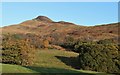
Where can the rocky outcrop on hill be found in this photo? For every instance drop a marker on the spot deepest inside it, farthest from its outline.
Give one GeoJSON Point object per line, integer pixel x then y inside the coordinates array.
{"type": "Point", "coordinates": [43, 18]}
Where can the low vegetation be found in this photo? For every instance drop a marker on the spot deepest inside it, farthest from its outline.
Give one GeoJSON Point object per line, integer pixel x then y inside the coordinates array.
{"type": "Point", "coordinates": [101, 56]}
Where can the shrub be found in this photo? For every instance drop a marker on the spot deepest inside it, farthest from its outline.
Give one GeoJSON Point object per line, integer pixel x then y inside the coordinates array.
{"type": "Point", "coordinates": [99, 57]}
{"type": "Point", "coordinates": [106, 41]}
{"type": "Point", "coordinates": [69, 43]}
{"type": "Point", "coordinates": [46, 43]}
{"type": "Point", "coordinates": [17, 52]}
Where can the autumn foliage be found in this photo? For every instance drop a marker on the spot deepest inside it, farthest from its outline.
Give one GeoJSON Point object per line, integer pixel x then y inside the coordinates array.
{"type": "Point", "coordinates": [16, 51]}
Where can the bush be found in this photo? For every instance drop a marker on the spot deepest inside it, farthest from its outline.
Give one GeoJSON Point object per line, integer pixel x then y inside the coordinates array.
{"type": "Point", "coordinates": [106, 41]}
{"type": "Point", "coordinates": [69, 43]}
{"type": "Point", "coordinates": [17, 52]}
{"type": "Point", "coordinates": [99, 57]}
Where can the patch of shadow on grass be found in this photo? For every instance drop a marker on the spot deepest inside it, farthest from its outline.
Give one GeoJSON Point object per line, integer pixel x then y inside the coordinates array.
{"type": "Point", "coordinates": [55, 71]}
{"type": "Point", "coordinates": [70, 61]}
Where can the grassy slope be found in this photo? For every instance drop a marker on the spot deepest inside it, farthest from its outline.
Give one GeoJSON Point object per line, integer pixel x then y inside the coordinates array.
{"type": "Point", "coordinates": [7, 68]}
{"type": "Point", "coordinates": [49, 61]}
{"type": "Point", "coordinates": [53, 58]}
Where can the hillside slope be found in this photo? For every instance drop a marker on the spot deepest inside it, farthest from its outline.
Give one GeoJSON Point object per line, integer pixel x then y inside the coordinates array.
{"type": "Point", "coordinates": [45, 27]}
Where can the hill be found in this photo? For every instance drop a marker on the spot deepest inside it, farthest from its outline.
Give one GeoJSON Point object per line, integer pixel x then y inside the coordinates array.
{"type": "Point", "coordinates": [45, 27]}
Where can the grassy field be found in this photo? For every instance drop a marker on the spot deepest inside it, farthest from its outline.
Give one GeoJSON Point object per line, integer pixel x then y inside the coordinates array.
{"type": "Point", "coordinates": [50, 61]}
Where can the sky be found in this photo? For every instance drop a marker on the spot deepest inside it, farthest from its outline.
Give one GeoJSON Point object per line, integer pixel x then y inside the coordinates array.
{"type": "Point", "coordinates": [60, 0]}
{"type": "Point", "coordinates": [81, 13]}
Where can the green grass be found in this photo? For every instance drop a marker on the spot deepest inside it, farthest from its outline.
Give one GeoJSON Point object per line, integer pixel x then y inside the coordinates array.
{"type": "Point", "coordinates": [49, 61]}
{"type": "Point", "coordinates": [8, 68]}
{"type": "Point", "coordinates": [52, 58]}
